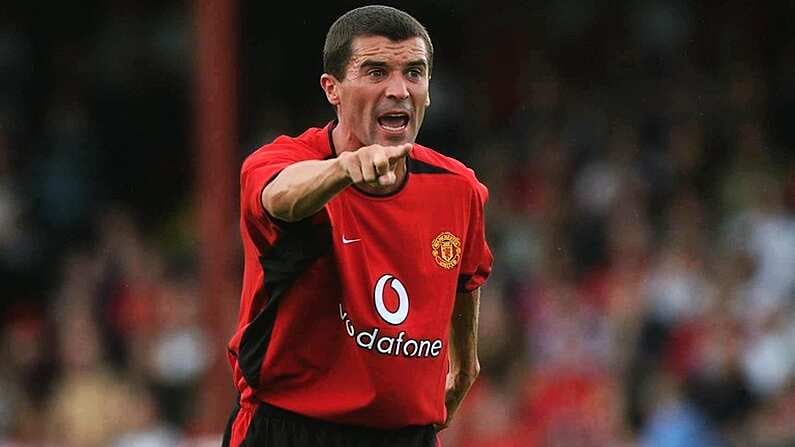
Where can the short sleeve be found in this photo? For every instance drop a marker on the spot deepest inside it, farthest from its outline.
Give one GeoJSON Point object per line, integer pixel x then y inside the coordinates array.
{"type": "Point", "coordinates": [259, 169]}
{"type": "Point", "coordinates": [476, 257]}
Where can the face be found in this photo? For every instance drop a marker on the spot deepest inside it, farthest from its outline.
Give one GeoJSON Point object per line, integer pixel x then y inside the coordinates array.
{"type": "Point", "coordinates": [383, 97]}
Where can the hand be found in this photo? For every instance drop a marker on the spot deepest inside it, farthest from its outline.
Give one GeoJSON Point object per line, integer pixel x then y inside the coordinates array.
{"type": "Point", "coordinates": [374, 165]}
{"type": "Point", "coordinates": [458, 385]}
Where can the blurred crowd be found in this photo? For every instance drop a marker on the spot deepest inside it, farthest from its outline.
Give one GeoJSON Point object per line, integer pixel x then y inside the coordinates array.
{"type": "Point", "coordinates": [641, 165]}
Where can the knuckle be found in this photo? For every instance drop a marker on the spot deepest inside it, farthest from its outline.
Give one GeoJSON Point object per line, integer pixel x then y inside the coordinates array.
{"type": "Point", "coordinates": [364, 155]}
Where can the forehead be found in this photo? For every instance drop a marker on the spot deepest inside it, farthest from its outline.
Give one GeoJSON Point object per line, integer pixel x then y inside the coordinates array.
{"type": "Point", "coordinates": [382, 49]}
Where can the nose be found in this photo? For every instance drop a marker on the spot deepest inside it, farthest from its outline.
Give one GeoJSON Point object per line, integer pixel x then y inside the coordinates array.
{"type": "Point", "coordinates": [397, 88]}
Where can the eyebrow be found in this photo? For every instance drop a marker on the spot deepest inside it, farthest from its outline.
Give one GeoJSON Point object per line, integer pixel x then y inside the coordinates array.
{"type": "Point", "coordinates": [372, 63]}
{"type": "Point", "coordinates": [418, 63]}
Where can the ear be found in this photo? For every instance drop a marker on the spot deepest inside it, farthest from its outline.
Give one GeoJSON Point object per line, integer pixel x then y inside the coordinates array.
{"type": "Point", "coordinates": [330, 87]}
{"type": "Point", "coordinates": [428, 99]}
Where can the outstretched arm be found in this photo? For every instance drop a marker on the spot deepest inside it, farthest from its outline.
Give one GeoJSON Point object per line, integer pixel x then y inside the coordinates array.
{"type": "Point", "coordinates": [303, 188]}
{"type": "Point", "coordinates": [463, 350]}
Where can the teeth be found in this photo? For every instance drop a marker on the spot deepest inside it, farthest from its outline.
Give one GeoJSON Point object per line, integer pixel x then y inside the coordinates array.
{"type": "Point", "coordinates": [393, 121]}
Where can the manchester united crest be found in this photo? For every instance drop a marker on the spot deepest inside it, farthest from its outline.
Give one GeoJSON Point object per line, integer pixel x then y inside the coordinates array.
{"type": "Point", "coordinates": [446, 249]}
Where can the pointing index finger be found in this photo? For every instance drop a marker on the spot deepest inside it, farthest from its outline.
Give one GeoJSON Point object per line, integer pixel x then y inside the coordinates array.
{"type": "Point", "coordinates": [396, 152]}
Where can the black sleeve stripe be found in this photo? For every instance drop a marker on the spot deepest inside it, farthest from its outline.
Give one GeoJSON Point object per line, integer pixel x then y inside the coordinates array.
{"type": "Point", "coordinates": [300, 244]}
{"type": "Point", "coordinates": [421, 167]}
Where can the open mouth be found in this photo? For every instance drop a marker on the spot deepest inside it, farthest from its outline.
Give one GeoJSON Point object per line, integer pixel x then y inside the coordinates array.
{"type": "Point", "coordinates": [394, 121]}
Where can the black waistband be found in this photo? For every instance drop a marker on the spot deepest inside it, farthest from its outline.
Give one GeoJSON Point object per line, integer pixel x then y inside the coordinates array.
{"type": "Point", "coordinates": [268, 411]}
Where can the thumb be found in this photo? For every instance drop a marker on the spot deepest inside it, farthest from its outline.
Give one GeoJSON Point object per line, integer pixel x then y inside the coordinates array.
{"type": "Point", "coordinates": [387, 179]}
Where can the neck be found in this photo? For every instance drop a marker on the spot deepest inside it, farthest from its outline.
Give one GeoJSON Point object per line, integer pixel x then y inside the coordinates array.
{"type": "Point", "coordinates": [344, 140]}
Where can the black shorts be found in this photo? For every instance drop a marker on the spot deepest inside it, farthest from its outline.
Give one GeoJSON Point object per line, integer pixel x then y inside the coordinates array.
{"type": "Point", "coordinates": [269, 426]}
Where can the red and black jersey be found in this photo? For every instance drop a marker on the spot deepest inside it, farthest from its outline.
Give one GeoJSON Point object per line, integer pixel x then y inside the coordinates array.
{"type": "Point", "coordinates": [345, 316]}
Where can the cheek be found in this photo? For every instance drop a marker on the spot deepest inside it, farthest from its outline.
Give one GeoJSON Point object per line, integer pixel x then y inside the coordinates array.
{"type": "Point", "coordinates": [420, 99]}
{"type": "Point", "coordinates": [358, 104]}
{"type": "Point", "coordinates": [419, 90]}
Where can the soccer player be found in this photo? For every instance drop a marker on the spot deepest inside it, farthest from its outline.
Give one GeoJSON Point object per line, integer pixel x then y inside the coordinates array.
{"type": "Point", "coordinates": [364, 254]}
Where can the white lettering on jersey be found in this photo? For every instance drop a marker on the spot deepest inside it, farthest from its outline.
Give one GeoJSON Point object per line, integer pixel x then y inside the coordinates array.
{"type": "Point", "coordinates": [399, 316]}
{"type": "Point", "coordinates": [401, 345]}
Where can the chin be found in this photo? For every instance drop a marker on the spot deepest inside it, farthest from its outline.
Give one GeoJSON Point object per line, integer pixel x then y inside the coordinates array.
{"type": "Point", "coordinates": [395, 138]}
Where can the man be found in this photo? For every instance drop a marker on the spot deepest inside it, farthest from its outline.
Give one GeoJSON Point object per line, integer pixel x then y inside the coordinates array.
{"type": "Point", "coordinates": [364, 254]}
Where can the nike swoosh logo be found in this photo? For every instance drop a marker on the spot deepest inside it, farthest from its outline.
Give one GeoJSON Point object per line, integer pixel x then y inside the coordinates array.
{"type": "Point", "coordinates": [349, 241]}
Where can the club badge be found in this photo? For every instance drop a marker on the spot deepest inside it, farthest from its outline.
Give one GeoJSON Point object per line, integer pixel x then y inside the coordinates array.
{"type": "Point", "coordinates": [446, 249]}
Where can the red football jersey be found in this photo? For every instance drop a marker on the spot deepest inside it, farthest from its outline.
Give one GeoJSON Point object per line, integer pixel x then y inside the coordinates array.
{"type": "Point", "coordinates": [345, 316]}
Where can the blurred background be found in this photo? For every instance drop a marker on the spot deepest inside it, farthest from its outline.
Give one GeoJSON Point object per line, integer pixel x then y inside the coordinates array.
{"type": "Point", "coordinates": [641, 162]}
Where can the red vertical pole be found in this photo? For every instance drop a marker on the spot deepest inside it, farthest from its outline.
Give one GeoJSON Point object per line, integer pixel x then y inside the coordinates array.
{"type": "Point", "coordinates": [216, 136]}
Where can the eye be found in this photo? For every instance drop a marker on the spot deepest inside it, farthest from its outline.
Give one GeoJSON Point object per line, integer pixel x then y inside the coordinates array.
{"type": "Point", "coordinates": [376, 73]}
{"type": "Point", "coordinates": [414, 73]}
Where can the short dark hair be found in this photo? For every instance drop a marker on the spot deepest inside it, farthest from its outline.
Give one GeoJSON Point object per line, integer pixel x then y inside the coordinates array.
{"type": "Point", "coordinates": [373, 20]}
